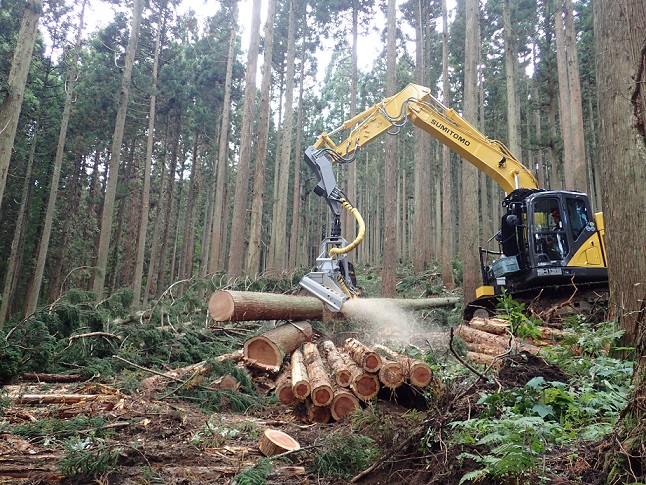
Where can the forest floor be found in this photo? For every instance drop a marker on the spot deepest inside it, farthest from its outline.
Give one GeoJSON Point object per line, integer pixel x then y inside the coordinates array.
{"type": "Point", "coordinates": [135, 426]}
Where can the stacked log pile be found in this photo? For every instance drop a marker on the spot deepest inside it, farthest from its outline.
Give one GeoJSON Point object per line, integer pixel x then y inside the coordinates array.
{"type": "Point", "coordinates": [330, 381]}
{"type": "Point", "coordinates": [487, 338]}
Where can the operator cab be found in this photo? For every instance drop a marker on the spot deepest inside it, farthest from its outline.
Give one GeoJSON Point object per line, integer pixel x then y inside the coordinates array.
{"type": "Point", "coordinates": [546, 238]}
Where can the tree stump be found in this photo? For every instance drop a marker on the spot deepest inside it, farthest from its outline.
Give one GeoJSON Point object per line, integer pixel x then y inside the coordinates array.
{"type": "Point", "coordinates": [274, 442]}
{"type": "Point", "coordinates": [301, 387]}
{"type": "Point", "coordinates": [267, 351]}
{"type": "Point", "coordinates": [363, 355]}
{"type": "Point", "coordinates": [321, 393]}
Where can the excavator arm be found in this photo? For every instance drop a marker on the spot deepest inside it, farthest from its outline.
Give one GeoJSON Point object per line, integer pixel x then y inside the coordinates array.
{"type": "Point", "coordinates": [332, 282]}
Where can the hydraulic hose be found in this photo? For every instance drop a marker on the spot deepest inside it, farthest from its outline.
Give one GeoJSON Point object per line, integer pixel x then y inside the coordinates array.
{"type": "Point", "coordinates": [360, 235]}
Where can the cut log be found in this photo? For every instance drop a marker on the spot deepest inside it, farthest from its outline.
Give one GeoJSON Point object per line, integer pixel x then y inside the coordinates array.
{"type": "Point", "coordinates": [36, 399]}
{"type": "Point", "coordinates": [480, 358]}
{"type": "Point", "coordinates": [363, 355]}
{"type": "Point", "coordinates": [269, 349]}
{"type": "Point", "coordinates": [497, 326]}
{"type": "Point", "coordinates": [322, 392]}
{"type": "Point", "coordinates": [363, 384]}
{"type": "Point", "coordinates": [484, 349]}
{"type": "Point", "coordinates": [344, 403]}
{"type": "Point", "coordinates": [32, 376]}
{"type": "Point", "coordinates": [391, 374]}
{"type": "Point", "coordinates": [283, 389]}
{"type": "Point", "coordinates": [225, 382]}
{"type": "Point", "coordinates": [473, 335]}
{"type": "Point", "coordinates": [500, 342]}
{"type": "Point", "coordinates": [301, 387]}
{"type": "Point", "coordinates": [237, 306]}
{"type": "Point", "coordinates": [416, 372]}
{"type": "Point", "coordinates": [340, 372]}
{"type": "Point", "coordinates": [317, 414]}
{"type": "Point", "coordinates": [274, 442]}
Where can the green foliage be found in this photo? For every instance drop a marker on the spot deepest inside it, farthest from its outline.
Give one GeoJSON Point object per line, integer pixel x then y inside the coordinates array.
{"type": "Point", "coordinates": [88, 457]}
{"type": "Point", "coordinates": [256, 474]}
{"type": "Point", "coordinates": [521, 326]}
{"type": "Point", "coordinates": [215, 432]}
{"type": "Point", "coordinates": [342, 454]}
{"type": "Point", "coordinates": [51, 427]}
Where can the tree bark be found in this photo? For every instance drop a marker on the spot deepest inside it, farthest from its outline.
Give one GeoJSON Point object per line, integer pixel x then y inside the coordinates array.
{"type": "Point", "coordinates": [513, 111]}
{"type": "Point", "coordinates": [448, 251]}
{"type": "Point", "coordinates": [469, 215]}
{"type": "Point", "coordinates": [115, 154]}
{"type": "Point", "coordinates": [16, 82]}
{"type": "Point", "coordinates": [238, 224]}
{"type": "Point", "coordinates": [388, 275]}
{"type": "Point", "coordinates": [236, 306]}
{"type": "Point", "coordinates": [257, 202]}
{"type": "Point", "coordinates": [145, 195]}
{"type": "Point", "coordinates": [278, 247]}
{"type": "Point", "coordinates": [218, 240]}
{"type": "Point", "coordinates": [268, 350]}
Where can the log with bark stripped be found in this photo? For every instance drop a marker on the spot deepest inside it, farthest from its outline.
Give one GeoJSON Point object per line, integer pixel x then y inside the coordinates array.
{"type": "Point", "coordinates": [363, 355]}
{"type": "Point", "coordinates": [499, 326]}
{"type": "Point", "coordinates": [268, 350]}
{"type": "Point", "coordinates": [363, 384]}
{"type": "Point", "coordinates": [344, 403]}
{"type": "Point", "coordinates": [321, 393]}
{"type": "Point", "coordinates": [498, 343]}
{"type": "Point", "coordinates": [274, 442]}
{"type": "Point", "coordinates": [283, 389]}
{"type": "Point", "coordinates": [340, 372]}
{"type": "Point", "coordinates": [237, 306]}
{"type": "Point", "coordinates": [301, 387]}
{"type": "Point", "coordinates": [416, 372]}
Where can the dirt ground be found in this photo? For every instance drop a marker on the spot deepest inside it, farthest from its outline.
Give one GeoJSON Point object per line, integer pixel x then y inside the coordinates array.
{"type": "Point", "coordinates": [166, 441]}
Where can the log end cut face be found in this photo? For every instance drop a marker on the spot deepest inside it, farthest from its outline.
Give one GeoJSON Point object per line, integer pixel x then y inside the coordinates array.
{"type": "Point", "coordinates": [366, 387]}
{"type": "Point", "coordinates": [221, 306]}
{"type": "Point", "coordinates": [421, 376]}
{"type": "Point", "coordinates": [372, 362]}
{"type": "Point", "coordinates": [263, 351]}
{"type": "Point", "coordinates": [286, 396]}
{"type": "Point", "coordinates": [344, 405]}
{"type": "Point", "coordinates": [322, 396]}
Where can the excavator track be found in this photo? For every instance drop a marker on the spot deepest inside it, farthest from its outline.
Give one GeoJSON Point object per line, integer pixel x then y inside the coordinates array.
{"type": "Point", "coordinates": [552, 304]}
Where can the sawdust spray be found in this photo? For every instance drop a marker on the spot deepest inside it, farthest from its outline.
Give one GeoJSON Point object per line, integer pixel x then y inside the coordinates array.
{"type": "Point", "coordinates": [383, 322]}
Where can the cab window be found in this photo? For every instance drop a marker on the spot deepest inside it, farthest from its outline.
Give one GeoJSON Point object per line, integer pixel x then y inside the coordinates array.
{"type": "Point", "coordinates": [578, 214]}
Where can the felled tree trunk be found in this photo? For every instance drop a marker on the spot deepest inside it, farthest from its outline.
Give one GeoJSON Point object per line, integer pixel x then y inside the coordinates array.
{"type": "Point", "coordinates": [498, 343]}
{"type": "Point", "coordinates": [301, 387]}
{"type": "Point", "coordinates": [340, 372]}
{"type": "Point", "coordinates": [362, 355]}
{"type": "Point", "coordinates": [391, 373]}
{"type": "Point", "coordinates": [237, 306]}
{"type": "Point", "coordinates": [267, 351]}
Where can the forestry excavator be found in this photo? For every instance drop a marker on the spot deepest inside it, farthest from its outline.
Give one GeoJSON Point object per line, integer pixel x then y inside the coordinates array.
{"type": "Point", "coordinates": [550, 243]}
